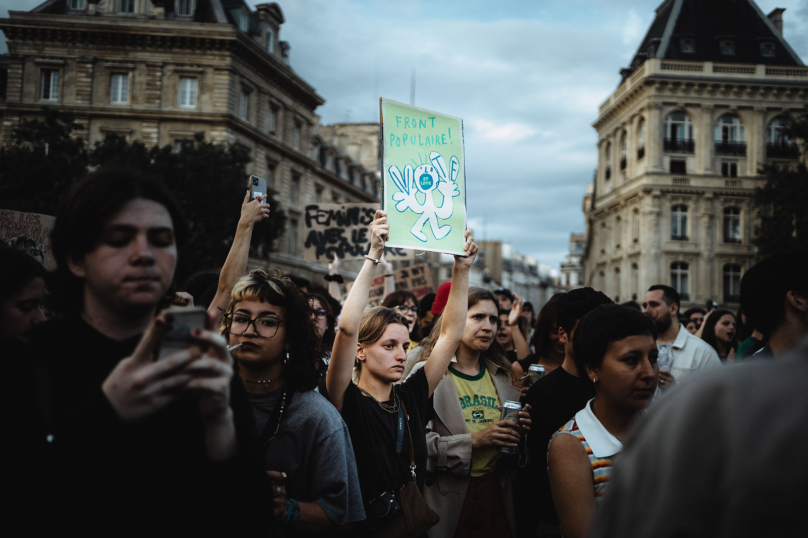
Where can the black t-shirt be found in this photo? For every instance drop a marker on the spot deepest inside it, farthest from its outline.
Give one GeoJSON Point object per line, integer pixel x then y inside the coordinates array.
{"type": "Point", "coordinates": [554, 400]}
{"type": "Point", "coordinates": [511, 355]}
{"type": "Point", "coordinates": [527, 361]}
{"type": "Point", "coordinates": [373, 434]}
{"type": "Point", "coordinates": [138, 468]}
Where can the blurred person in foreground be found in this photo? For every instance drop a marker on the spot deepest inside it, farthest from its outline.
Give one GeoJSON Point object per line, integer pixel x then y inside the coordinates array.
{"type": "Point", "coordinates": [721, 457]}
{"type": "Point", "coordinates": [774, 296]}
{"type": "Point", "coordinates": [22, 292]}
{"type": "Point", "coordinates": [680, 353]}
{"type": "Point", "coordinates": [616, 347]}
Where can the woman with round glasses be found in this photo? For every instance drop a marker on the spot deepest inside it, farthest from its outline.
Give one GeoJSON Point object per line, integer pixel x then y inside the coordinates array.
{"type": "Point", "coordinates": [324, 325]}
{"type": "Point", "coordinates": [301, 434]}
{"type": "Point", "coordinates": [405, 303]}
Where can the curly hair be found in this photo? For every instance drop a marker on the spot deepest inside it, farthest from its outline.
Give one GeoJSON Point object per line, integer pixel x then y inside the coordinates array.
{"type": "Point", "coordinates": [302, 371]}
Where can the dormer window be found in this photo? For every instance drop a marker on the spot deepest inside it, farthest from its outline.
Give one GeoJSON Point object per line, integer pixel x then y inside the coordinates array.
{"type": "Point", "coordinates": [727, 47]}
{"type": "Point", "coordinates": [242, 19]}
{"type": "Point", "coordinates": [185, 8]}
{"type": "Point", "coordinates": [767, 49]}
{"type": "Point", "coordinates": [126, 6]}
{"type": "Point", "coordinates": [687, 45]}
{"type": "Point", "coordinates": [270, 41]}
{"type": "Point", "coordinates": [77, 5]}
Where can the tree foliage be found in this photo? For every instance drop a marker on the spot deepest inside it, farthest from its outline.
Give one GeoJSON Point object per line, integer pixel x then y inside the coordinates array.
{"type": "Point", "coordinates": [782, 201]}
{"type": "Point", "coordinates": [207, 179]}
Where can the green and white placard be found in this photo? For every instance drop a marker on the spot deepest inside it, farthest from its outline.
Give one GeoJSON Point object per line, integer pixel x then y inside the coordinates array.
{"type": "Point", "coordinates": [424, 178]}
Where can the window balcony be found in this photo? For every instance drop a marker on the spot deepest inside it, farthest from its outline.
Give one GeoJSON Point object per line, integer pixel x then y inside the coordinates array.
{"type": "Point", "coordinates": [726, 147]}
{"type": "Point", "coordinates": [678, 238]}
{"type": "Point", "coordinates": [678, 145]}
{"type": "Point", "coordinates": [783, 151]}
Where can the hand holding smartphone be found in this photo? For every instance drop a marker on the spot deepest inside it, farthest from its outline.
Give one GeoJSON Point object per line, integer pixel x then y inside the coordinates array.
{"type": "Point", "coordinates": [179, 322]}
{"type": "Point", "coordinates": [258, 188]}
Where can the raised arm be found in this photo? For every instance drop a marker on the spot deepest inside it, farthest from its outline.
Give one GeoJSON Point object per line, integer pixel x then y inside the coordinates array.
{"type": "Point", "coordinates": [344, 352]}
{"type": "Point", "coordinates": [235, 266]}
{"type": "Point", "coordinates": [389, 277]}
{"type": "Point", "coordinates": [519, 342]}
{"type": "Point", "coordinates": [454, 316]}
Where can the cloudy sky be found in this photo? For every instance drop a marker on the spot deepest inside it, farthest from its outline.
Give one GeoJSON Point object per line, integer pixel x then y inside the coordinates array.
{"type": "Point", "coordinates": [526, 76]}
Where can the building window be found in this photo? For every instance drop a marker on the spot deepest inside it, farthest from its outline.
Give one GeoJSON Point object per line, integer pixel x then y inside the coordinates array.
{"type": "Point", "coordinates": [778, 143]}
{"type": "Point", "coordinates": [729, 168]}
{"type": "Point", "coordinates": [243, 104]}
{"type": "Point", "coordinates": [687, 45]}
{"type": "Point", "coordinates": [727, 47]}
{"type": "Point", "coordinates": [318, 193]}
{"type": "Point", "coordinates": [242, 19]}
{"type": "Point", "coordinates": [77, 5]}
{"type": "Point", "coordinates": [270, 41]}
{"type": "Point", "coordinates": [732, 225]}
{"type": "Point", "coordinates": [641, 141]}
{"type": "Point", "coordinates": [623, 150]}
{"type": "Point", "coordinates": [767, 49]}
{"type": "Point", "coordinates": [678, 166]}
{"type": "Point", "coordinates": [296, 136]}
{"type": "Point", "coordinates": [729, 136]}
{"type": "Point", "coordinates": [678, 133]}
{"type": "Point", "coordinates": [49, 85]}
{"type": "Point", "coordinates": [294, 188]}
{"type": "Point", "coordinates": [185, 7]}
{"type": "Point", "coordinates": [618, 231]}
{"type": "Point", "coordinates": [273, 119]}
{"type": "Point", "coordinates": [119, 89]}
{"type": "Point", "coordinates": [732, 283]}
{"type": "Point", "coordinates": [270, 176]}
{"type": "Point", "coordinates": [617, 284]}
{"type": "Point", "coordinates": [292, 245]}
{"type": "Point", "coordinates": [636, 227]}
{"type": "Point", "coordinates": [679, 223]}
{"type": "Point", "coordinates": [126, 6]}
{"type": "Point", "coordinates": [188, 92]}
{"type": "Point", "coordinates": [680, 279]}
{"type": "Point", "coordinates": [335, 198]}
{"type": "Point", "coordinates": [608, 160]}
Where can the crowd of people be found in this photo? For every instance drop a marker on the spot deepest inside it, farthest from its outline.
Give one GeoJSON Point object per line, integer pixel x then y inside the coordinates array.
{"type": "Point", "coordinates": [296, 410]}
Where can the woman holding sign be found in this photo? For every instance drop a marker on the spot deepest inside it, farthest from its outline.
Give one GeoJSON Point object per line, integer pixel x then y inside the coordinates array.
{"type": "Point", "coordinates": [387, 421]}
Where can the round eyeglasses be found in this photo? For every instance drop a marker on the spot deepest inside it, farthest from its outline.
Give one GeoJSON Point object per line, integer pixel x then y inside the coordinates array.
{"type": "Point", "coordinates": [265, 326]}
{"type": "Point", "coordinates": [404, 309]}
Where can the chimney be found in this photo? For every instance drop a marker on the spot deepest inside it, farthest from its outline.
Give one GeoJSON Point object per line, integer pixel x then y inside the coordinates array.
{"type": "Point", "coordinates": [776, 18]}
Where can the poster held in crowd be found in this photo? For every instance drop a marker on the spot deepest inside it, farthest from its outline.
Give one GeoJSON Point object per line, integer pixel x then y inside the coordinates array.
{"type": "Point", "coordinates": [424, 178]}
{"type": "Point", "coordinates": [32, 230]}
{"type": "Point", "coordinates": [416, 279]}
{"type": "Point", "coordinates": [342, 229]}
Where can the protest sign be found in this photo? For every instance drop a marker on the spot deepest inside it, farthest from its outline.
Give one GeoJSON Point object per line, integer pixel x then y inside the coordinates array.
{"type": "Point", "coordinates": [424, 178]}
{"type": "Point", "coordinates": [342, 229]}
{"type": "Point", "coordinates": [416, 279]}
{"type": "Point", "coordinates": [31, 228]}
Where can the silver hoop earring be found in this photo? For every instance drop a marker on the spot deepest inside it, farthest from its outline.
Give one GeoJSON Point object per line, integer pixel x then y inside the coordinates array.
{"type": "Point", "coordinates": [286, 360]}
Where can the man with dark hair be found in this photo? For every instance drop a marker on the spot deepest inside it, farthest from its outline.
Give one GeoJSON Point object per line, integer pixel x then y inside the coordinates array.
{"type": "Point", "coordinates": [505, 298]}
{"type": "Point", "coordinates": [146, 437]}
{"type": "Point", "coordinates": [554, 400]}
{"type": "Point", "coordinates": [696, 314]}
{"type": "Point", "coordinates": [680, 353]}
{"type": "Point", "coordinates": [774, 297]}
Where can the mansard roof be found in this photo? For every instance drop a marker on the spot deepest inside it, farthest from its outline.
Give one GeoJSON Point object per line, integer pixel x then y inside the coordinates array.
{"type": "Point", "coordinates": [707, 23]}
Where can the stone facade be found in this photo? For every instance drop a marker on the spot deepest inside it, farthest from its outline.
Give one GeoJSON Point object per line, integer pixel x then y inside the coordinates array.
{"type": "Point", "coordinates": [680, 145]}
{"type": "Point", "coordinates": [572, 270]}
{"type": "Point", "coordinates": [160, 72]}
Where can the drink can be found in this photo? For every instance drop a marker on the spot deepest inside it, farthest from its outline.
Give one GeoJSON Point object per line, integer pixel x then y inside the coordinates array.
{"type": "Point", "coordinates": [510, 411]}
{"type": "Point", "coordinates": [534, 373]}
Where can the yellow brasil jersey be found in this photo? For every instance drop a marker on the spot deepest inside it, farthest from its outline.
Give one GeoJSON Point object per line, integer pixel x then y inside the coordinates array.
{"type": "Point", "coordinates": [479, 401]}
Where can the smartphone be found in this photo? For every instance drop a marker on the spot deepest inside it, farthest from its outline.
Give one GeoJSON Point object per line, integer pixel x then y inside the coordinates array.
{"type": "Point", "coordinates": [711, 304]}
{"type": "Point", "coordinates": [179, 324]}
{"type": "Point", "coordinates": [258, 187]}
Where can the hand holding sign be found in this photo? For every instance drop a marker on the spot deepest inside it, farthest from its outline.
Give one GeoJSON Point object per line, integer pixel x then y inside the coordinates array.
{"type": "Point", "coordinates": [379, 230]}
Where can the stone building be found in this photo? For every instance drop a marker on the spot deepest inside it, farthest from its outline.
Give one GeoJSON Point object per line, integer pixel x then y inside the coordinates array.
{"type": "Point", "coordinates": [572, 269]}
{"type": "Point", "coordinates": [680, 145]}
{"type": "Point", "coordinates": [161, 71]}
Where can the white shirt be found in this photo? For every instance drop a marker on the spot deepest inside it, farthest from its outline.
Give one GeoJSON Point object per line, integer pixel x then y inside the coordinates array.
{"type": "Point", "coordinates": [690, 353]}
{"type": "Point", "coordinates": [602, 443]}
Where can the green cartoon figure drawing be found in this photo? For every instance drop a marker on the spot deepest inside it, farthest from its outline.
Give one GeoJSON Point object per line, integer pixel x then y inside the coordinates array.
{"type": "Point", "coordinates": [425, 180]}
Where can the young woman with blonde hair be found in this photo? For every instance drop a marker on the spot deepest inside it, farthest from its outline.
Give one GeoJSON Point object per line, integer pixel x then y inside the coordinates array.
{"type": "Point", "coordinates": [387, 422]}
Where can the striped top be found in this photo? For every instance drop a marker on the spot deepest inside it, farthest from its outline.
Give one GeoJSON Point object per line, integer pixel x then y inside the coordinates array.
{"type": "Point", "coordinates": [601, 467]}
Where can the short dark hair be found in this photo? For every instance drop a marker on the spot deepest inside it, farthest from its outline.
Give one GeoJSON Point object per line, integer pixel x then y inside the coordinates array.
{"type": "Point", "coordinates": [765, 285]}
{"type": "Point", "coordinates": [602, 326]}
{"type": "Point", "coordinates": [544, 326]}
{"type": "Point", "coordinates": [398, 298]}
{"type": "Point", "coordinates": [528, 306]}
{"type": "Point", "coordinates": [695, 310]}
{"type": "Point", "coordinates": [505, 292]}
{"type": "Point", "coordinates": [88, 206]}
{"type": "Point", "coordinates": [17, 268]}
{"type": "Point", "coordinates": [669, 294]}
{"type": "Point", "coordinates": [300, 282]}
{"type": "Point", "coordinates": [575, 304]}
{"type": "Point", "coordinates": [425, 305]}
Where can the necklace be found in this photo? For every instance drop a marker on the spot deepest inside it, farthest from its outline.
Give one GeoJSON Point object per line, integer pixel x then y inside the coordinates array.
{"type": "Point", "coordinates": [259, 381]}
{"type": "Point", "coordinates": [387, 407]}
